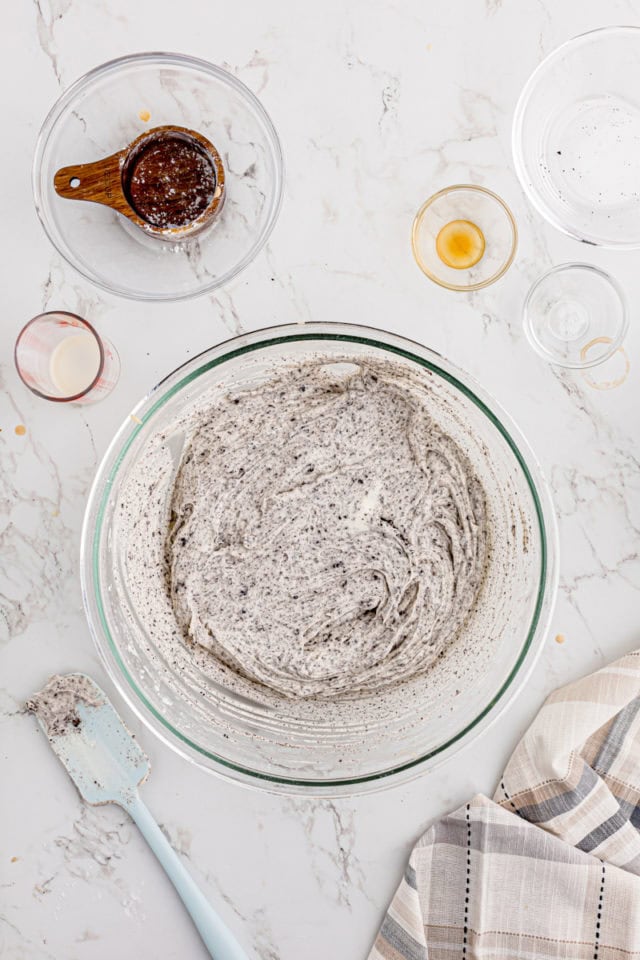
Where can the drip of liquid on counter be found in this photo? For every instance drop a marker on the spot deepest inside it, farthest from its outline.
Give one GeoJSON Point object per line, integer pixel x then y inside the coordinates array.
{"type": "Point", "coordinates": [74, 364]}
{"type": "Point", "coordinates": [460, 244]}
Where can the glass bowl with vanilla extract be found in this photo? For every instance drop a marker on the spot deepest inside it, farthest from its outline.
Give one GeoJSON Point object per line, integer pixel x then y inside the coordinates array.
{"type": "Point", "coordinates": [464, 237]}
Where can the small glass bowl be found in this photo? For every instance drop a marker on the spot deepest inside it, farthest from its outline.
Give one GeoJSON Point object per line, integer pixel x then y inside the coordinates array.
{"type": "Point", "coordinates": [481, 207]}
{"type": "Point", "coordinates": [575, 137]}
{"type": "Point", "coordinates": [575, 315]}
{"type": "Point", "coordinates": [106, 110]}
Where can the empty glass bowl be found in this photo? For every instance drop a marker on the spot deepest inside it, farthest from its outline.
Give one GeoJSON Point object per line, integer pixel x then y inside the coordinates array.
{"type": "Point", "coordinates": [486, 223]}
{"type": "Point", "coordinates": [575, 316]}
{"type": "Point", "coordinates": [576, 132]}
{"type": "Point", "coordinates": [102, 113]}
{"type": "Point", "coordinates": [358, 744]}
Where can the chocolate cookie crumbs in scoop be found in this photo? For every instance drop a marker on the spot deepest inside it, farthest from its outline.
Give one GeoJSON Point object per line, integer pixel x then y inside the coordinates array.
{"type": "Point", "coordinates": [170, 181]}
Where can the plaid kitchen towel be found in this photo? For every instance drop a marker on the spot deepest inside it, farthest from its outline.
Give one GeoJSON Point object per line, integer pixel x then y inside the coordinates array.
{"type": "Point", "coordinates": [550, 868]}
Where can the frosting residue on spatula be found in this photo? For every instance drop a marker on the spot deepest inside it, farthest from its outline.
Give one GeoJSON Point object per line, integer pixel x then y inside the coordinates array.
{"type": "Point", "coordinates": [56, 705]}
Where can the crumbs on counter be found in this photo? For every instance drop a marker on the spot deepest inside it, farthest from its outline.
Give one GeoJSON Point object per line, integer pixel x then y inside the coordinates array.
{"type": "Point", "coordinates": [135, 419]}
{"type": "Point", "coordinates": [20, 430]}
{"type": "Point", "coordinates": [14, 859]}
{"type": "Point", "coordinates": [145, 116]}
{"type": "Point", "coordinates": [560, 638]}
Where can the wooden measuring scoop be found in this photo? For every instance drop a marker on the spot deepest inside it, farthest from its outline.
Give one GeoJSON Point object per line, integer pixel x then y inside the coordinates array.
{"type": "Point", "coordinates": [169, 182]}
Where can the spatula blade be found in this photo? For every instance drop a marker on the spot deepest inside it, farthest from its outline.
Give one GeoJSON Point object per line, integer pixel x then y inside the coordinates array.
{"type": "Point", "coordinates": [100, 755]}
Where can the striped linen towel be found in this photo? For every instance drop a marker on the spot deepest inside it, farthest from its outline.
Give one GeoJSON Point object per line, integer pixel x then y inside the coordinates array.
{"type": "Point", "coordinates": [550, 867]}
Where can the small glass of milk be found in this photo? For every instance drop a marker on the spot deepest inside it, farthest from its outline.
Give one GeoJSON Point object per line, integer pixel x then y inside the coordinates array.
{"type": "Point", "coordinates": [60, 357]}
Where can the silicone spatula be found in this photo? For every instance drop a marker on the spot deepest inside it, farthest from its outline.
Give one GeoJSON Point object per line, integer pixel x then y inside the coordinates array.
{"type": "Point", "coordinates": [107, 766]}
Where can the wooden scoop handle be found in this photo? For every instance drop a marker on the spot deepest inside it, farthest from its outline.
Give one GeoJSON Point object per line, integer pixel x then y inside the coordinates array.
{"type": "Point", "coordinates": [99, 182]}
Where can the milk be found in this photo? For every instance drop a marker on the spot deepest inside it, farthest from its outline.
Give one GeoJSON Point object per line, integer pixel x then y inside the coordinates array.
{"type": "Point", "coordinates": [74, 363]}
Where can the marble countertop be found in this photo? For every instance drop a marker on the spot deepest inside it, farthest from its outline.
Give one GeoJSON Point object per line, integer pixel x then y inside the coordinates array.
{"type": "Point", "coordinates": [378, 104]}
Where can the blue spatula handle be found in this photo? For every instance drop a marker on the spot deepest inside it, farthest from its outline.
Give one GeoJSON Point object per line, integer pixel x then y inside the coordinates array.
{"type": "Point", "coordinates": [218, 939]}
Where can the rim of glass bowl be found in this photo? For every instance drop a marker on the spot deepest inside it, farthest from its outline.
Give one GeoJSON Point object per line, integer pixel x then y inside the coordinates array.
{"type": "Point", "coordinates": [516, 140]}
{"type": "Point", "coordinates": [112, 66]}
{"type": "Point", "coordinates": [615, 344]}
{"type": "Point", "coordinates": [415, 246]}
{"type": "Point", "coordinates": [200, 365]}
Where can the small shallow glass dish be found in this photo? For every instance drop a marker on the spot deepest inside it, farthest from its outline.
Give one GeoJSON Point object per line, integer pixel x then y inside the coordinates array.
{"type": "Point", "coordinates": [576, 316]}
{"type": "Point", "coordinates": [357, 746]}
{"type": "Point", "coordinates": [575, 137]}
{"type": "Point", "coordinates": [108, 108]}
{"type": "Point", "coordinates": [485, 210]}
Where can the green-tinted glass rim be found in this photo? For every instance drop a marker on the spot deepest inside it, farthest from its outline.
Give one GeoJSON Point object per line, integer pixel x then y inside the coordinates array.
{"type": "Point", "coordinates": [406, 354]}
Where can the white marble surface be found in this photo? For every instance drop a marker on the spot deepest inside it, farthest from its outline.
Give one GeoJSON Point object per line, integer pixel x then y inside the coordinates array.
{"type": "Point", "coordinates": [378, 103]}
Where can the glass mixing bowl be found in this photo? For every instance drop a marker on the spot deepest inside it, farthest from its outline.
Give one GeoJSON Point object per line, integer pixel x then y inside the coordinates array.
{"type": "Point", "coordinates": [108, 108]}
{"type": "Point", "coordinates": [357, 745]}
{"type": "Point", "coordinates": [575, 137]}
